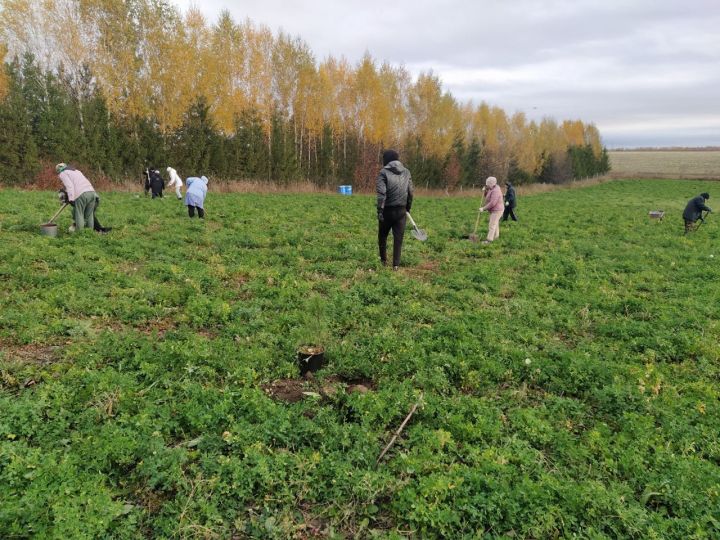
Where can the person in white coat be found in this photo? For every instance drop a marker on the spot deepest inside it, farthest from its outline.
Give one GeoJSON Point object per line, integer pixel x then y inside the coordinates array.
{"type": "Point", "coordinates": [175, 181]}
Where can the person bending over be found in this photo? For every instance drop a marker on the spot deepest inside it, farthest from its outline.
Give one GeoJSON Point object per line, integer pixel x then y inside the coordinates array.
{"type": "Point", "coordinates": [80, 194]}
{"type": "Point", "coordinates": [195, 195]}
{"type": "Point", "coordinates": [175, 181]}
{"type": "Point", "coordinates": [694, 209]}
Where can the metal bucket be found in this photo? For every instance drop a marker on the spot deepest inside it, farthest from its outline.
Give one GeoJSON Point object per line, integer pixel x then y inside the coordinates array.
{"type": "Point", "coordinates": [49, 229]}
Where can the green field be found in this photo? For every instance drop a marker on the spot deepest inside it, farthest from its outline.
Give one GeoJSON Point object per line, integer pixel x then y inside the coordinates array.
{"type": "Point", "coordinates": [567, 374]}
{"type": "Point", "coordinates": [666, 164]}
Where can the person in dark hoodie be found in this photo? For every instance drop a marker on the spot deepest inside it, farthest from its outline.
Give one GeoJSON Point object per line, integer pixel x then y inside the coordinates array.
{"type": "Point", "coordinates": [694, 209]}
{"type": "Point", "coordinates": [157, 184]}
{"type": "Point", "coordinates": [394, 198]}
{"type": "Point", "coordinates": [510, 202]}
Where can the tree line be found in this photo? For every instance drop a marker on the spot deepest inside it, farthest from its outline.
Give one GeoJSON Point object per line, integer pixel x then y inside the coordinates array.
{"type": "Point", "coordinates": [116, 87]}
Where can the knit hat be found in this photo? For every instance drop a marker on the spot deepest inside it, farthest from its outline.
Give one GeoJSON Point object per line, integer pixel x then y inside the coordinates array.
{"type": "Point", "coordinates": [390, 155]}
{"type": "Point", "coordinates": [491, 182]}
{"type": "Point", "coordinates": [705, 195]}
{"type": "Point", "coordinates": [60, 167]}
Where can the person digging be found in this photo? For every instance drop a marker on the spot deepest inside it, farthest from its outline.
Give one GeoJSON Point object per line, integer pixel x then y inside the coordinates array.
{"type": "Point", "coordinates": [63, 196]}
{"type": "Point", "coordinates": [693, 211]}
{"type": "Point", "coordinates": [79, 194]}
{"type": "Point", "coordinates": [494, 204]}
{"type": "Point", "coordinates": [394, 189]}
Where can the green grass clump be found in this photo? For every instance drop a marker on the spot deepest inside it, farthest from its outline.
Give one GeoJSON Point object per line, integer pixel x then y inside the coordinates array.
{"type": "Point", "coordinates": [569, 372]}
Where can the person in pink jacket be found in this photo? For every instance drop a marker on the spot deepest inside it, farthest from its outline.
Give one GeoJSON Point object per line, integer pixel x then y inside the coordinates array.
{"type": "Point", "coordinates": [493, 204]}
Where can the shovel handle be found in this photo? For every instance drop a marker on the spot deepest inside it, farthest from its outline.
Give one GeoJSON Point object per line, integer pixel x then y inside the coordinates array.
{"type": "Point", "coordinates": [58, 213]}
{"type": "Point", "coordinates": [477, 222]}
{"type": "Point", "coordinates": [411, 220]}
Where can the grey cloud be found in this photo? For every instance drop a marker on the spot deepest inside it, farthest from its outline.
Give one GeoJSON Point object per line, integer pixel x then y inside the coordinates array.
{"type": "Point", "coordinates": [603, 61]}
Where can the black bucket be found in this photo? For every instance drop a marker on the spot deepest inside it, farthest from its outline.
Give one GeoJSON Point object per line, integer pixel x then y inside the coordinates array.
{"type": "Point", "coordinates": [310, 359]}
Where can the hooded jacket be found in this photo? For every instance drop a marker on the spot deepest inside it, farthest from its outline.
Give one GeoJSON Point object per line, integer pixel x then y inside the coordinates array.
{"type": "Point", "coordinates": [695, 207]}
{"type": "Point", "coordinates": [156, 182]}
{"type": "Point", "coordinates": [174, 178]}
{"type": "Point", "coordinates": [510, 198]}
{"type": "Point", "coordinates": [394, 186]}
{"type": "Point", "coordinates": [493, 200]}
{"type": "Point", "coordinates": [196, 191]}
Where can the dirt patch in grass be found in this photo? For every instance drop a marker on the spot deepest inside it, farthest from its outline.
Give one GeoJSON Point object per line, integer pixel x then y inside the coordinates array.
{"type": "Point", "coordinates": [424, 270]}
{"type": "Point", "coordinates": [294, 390]}
{"type": "Point", "coordinates": [33, 353]}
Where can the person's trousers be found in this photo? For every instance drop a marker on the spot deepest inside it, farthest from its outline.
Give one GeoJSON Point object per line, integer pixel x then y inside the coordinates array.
{"type": "Point", "coordinates": [494, 226]}
{"type": "Point", "coordinates": [178, 192]}
{"type": "Point", "coordinates": [394, 218]}
{"type": "Point", "coordinates": [509, 212]}
{"type": "Point", "coordinates": [689, 226]}
{"type": "Point", "coordinates": [200, 211]}
{"type": "Point", "coordinates": [83, 210]}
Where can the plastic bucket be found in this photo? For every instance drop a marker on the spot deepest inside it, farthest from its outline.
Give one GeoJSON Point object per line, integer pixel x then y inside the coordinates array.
{"type": "Point", "coordinates": [49, 229]}
{"type": "Point", "coordinates": [345, 190]}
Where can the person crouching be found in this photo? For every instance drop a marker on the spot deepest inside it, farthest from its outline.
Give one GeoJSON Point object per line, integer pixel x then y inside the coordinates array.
{"type": "Point", "coordinates": [493, 204]}
{"type": "Point", "coordinates": [693, 211]}
{"type": "Point", "coordinates": [195, 195]}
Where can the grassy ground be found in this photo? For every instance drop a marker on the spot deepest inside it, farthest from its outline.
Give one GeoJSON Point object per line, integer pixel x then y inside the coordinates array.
{"type": "Point", "coordinates": [567, 374]}
{"type": "Point", "coordinates": [665, 163]}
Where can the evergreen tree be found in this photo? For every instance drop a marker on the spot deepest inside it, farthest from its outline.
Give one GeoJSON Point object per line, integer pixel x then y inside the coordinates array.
{"type": "Point", "coordinates": [18, 152]}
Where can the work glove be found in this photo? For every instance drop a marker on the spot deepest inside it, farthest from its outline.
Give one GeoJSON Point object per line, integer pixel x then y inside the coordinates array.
{"type": "Point", "coordinates": [481, 209]}
{"type": "Point", "coordinates": [507, 204]}
{"type": "Point", "coordinates": [380, 215]}
{"type": "Point", "coordinates": [63, 196]}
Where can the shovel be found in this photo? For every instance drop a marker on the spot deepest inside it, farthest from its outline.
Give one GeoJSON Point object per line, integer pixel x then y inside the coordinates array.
{"type": "Point", "coordinates": [419, 234]}
{"type": "Point", "coordinates": [702, 220]}
{"type": "Point", "coordinates": [49, 228]}
{"type": "Point", "coordinates": [473, 237]}
{"type": "Point", "coordinates": [50, 222]}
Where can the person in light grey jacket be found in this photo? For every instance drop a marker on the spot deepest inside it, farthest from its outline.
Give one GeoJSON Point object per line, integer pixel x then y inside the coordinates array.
{"type": "Point", "coordinates": [394, 199]}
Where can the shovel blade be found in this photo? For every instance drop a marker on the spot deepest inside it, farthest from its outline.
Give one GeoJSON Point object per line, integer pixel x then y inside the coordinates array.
{"type": "Point", "coordinates": [473, 237]}
{"type": "Point", "coordinates": [419, 234]}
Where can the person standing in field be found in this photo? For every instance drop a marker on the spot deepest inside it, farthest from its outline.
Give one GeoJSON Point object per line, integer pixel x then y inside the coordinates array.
{"type": "Point", "coordinates": [394, 199]}
{"type": "Point", "coordinates": [195, 196]}
{"type": "Point", "coordinates": [510, 202]}
{"type": "Point", "coordinates": [175, 181]}
{"type": "Point", "coordinates": [157, 184]}
{"type": "Point", "coordinates": [694, 209]}
{"type": "Point", "coordinates": [494, 204]}
{"type": "Point", "coordinates": [80, 194]}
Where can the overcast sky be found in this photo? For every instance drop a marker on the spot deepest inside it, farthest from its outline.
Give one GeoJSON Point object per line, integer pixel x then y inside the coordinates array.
{"type": "Point", "coordinates": [646, 72]}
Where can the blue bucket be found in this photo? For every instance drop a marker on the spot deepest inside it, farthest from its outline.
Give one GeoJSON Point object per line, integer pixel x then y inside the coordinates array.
{"type": "Point", "coordinates": [345, 190]}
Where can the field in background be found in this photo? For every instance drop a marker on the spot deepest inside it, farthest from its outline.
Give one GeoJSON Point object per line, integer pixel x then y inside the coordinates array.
{"type": "Point", "coordinates": [567, 374]}
{"type": "Point", "coordinates": [665, 164]}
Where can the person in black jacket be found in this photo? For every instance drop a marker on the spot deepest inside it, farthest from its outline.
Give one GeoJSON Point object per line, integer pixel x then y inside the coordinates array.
{"type": "Point", "coordinates": [510, 202]}
{"type": "Point", "coordinates": [157, 184]}
{"type": "Point", "coordinates": [394, 198]}
{"type": "Point", "coordinates": [694, 209]}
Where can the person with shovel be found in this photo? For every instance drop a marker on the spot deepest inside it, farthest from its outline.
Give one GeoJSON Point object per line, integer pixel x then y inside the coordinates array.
{"type": "Point", "coordinates": [494, 204]}
{"type": "Point", "coordinates": [693, 211]}
{"type": "Point", "coordinates": [175, 181]}
{"type": "Point", "coordinates": [394, 189]}
{"type": "Point", "coordinates": [510, 202]}
{"type": "Point", "coordinates": [80, 194]}
{"type": "Point", "coordinates": [195, 196]}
